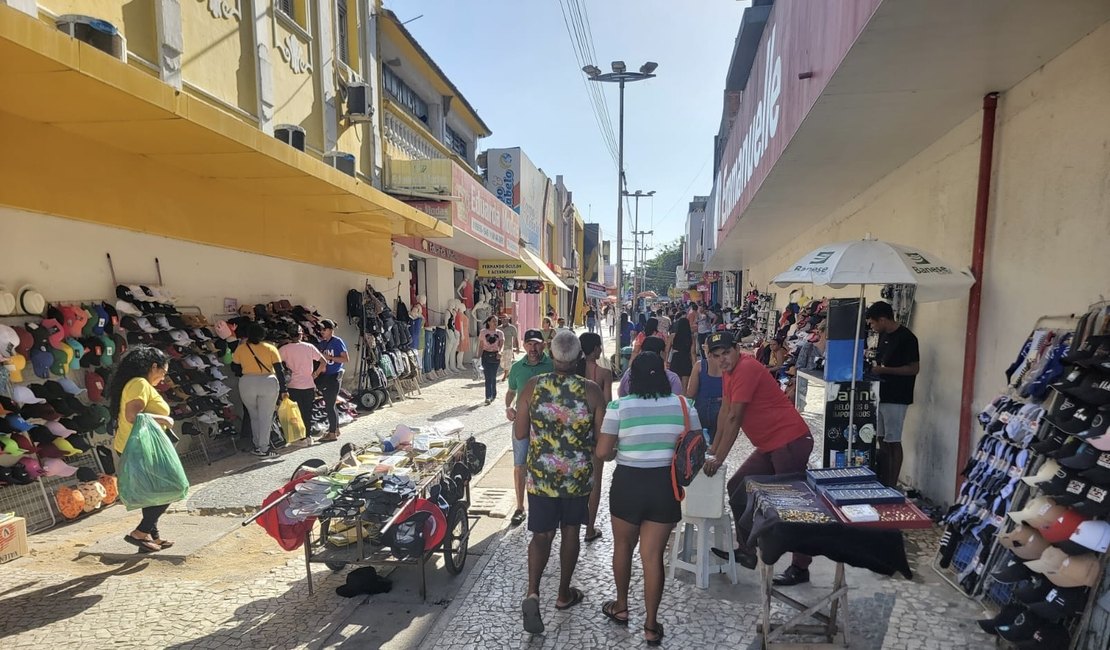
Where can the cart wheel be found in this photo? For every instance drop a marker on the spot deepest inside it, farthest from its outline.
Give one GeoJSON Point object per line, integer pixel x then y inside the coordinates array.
{"type": "Point", "coordinates": [368, 400]}
{"type": "Point", "coordinates": [457, 541]}
{"type": "Point", "coordinates": [382, 395]}
{"type": "Point", "coordinates": [336, 566]}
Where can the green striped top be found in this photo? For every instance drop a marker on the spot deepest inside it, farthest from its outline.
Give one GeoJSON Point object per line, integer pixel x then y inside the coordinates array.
{"type": "Point", "coordinates": [647, 429]}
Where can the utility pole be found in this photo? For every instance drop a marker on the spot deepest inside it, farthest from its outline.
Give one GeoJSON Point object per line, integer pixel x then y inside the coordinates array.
{"type": "Point", "coordinates": [636, 232]}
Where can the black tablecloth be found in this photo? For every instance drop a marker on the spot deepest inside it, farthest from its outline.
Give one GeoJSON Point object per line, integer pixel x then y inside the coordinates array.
{"type": "Point", "coordinates": [783, 515]}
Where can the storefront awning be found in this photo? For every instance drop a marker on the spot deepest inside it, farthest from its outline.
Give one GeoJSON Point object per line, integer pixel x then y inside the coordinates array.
{"type": "Point", "coordinates": [89, 137]}
{"type": "Point", "coordinates": [545, 273]}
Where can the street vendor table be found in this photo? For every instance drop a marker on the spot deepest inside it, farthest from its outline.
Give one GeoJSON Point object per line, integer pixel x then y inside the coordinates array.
{"type": "Point", "coordinates": [785, 515]}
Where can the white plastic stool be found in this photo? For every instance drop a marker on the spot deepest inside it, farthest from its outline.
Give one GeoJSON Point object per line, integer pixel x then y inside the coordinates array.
{"type": "Point", "coordinates": [703, 509]}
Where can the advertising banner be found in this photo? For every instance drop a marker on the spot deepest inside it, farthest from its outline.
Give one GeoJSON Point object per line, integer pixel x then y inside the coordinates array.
{"type": "Point", "coordinates": [467, 205]}
{"type": "Point", "coordinates": [837, 431]}
{"type": "Point", "coordinates": [596, 291]}
{"type": "Point", "coordinates": [517, 183]}
{"type": "Point", "coordinates": [591, 260]}
{"type": "Point", "coordinates": [778, 98]}
{"type": "Point", "coordinates": [504, 269]}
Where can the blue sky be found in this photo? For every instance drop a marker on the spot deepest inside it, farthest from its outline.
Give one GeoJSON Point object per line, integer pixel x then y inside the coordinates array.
{"type": "Point", "coordinates": [513, 61]}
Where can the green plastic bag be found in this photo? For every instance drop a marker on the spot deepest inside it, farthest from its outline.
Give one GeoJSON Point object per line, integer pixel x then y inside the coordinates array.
{"type": "Point", "coordinates": [150, 472]}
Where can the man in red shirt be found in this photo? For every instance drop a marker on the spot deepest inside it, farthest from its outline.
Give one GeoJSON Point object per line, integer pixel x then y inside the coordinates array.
{"type": "Point", "coordinates": [752, 399]}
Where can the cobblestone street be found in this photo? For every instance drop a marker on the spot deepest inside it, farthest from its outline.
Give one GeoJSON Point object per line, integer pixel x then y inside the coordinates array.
{"type": "Point", "coordinates": [242, 591]}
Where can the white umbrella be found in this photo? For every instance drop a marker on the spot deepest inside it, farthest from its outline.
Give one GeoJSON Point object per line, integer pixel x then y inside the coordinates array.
{"type": "Point", "coordinates": [869, 262]}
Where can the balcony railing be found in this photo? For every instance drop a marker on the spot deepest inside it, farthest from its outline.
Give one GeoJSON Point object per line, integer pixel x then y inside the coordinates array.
{"type": "Point", "coordinates": [408, 139]}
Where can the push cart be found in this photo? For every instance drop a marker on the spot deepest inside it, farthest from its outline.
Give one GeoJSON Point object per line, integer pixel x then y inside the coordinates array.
{"type": "Point", "coordinates": [366, 550]}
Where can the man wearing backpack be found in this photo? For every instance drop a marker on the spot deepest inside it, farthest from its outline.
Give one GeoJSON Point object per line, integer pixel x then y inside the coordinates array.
{"type": "Point", "coordinates": [752, 399]}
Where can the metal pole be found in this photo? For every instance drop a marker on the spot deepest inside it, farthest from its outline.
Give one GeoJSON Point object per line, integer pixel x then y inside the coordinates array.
{"type": "Point", "coordinates": [620, 213]}
{"type": "Point", "coordinates": [637, 287]}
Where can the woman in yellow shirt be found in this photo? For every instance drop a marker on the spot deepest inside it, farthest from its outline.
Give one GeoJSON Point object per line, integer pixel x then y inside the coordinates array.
{"type": "Point", "coordinates": [132, 392]}
{"type": "Point", "coordinates": [261, 384]}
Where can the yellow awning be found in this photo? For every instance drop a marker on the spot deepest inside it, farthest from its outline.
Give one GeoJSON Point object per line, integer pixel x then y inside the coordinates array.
{"type": "Point", "coordinates": [547, 274]}
{"type": "Point", "coordinates": [89, 137]}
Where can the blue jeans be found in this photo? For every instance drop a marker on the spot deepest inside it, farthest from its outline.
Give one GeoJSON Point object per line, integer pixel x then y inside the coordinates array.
{"type": "Point", "coordinates": [489, 371]}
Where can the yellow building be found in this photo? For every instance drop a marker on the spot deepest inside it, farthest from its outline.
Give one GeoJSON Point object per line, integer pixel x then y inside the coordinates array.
{"type": "Point", "coordinates": [176, 126]}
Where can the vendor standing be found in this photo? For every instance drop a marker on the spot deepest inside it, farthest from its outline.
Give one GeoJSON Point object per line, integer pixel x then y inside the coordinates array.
{"type": "Point", "coordinates": [751, 399]}
{"type": "Point", "coordinates": [897, 362]}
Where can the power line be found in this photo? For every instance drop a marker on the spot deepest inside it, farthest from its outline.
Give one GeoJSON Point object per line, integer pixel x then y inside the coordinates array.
{"type": "Point", "coordinates": [581, 45]}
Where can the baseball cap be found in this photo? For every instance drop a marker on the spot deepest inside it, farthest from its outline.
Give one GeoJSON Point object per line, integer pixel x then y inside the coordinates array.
{"type": "Point", "coordinates": [1086, 350]}
{"type": "Point", "coordinates": [1061, 528]}
{"type": "Point", "coordinates": [1049, 636]}
{"type": "Point", "coordinates": [1038, 512]}
{"type": "Point", "coordinates": [1100, 473]}
{"type": "Point", "coordinates": [94, 383]}
{"type": "Point", "coordinates": [25, 395]}
{"type": "Point", "coordinates": [1062, 406]}
{"type": "Point", "coordinates": [533, 335]}
{"type": "Point", "coordinates": [1065, 487]}
{"type": "Point", "coordinates": [78, 352]}
{"type": "Point", "coordinates": [1090, 535]}
{"type": "Point", "coordinates": [1060, 602]}
{"type": "Point", "coordinates": [1084, 457]}
{"type": "Point", "coordinates": [1070, 446]}
{"type": "Point", "coordinates": [1022, 628]}
{"type": "Point", "coordinates": [1012, 570]}
{"type": "Point", "coordinates": [1025, 542]}
{"type": "Point", "coordinates": [1046, 472]}
{"type": "Point", "coordinates": [15, 367]}
{"type": "Point", "coordinates": [59, 429]}
{"type": "Point", "coordinates": [1095, 389]}
{"type": "Point", "coordinates": [1064, 570]}
{"type": "Point", "coordinates": [1033, 589]}
{"type": "Point", "coordinates": [720, 341]}
{"type": "Point", "coordinates": [58, 467]}
{"type": "Point", "coordinates": [9, 341]}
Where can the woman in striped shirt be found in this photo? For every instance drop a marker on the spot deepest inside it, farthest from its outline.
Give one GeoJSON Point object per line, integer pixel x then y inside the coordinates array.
{"type": "Point", "coordinates": [640, 432]}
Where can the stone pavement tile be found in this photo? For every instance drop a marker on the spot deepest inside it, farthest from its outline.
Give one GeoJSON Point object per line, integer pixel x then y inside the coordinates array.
{"type": "Point", "coordinates": [190, 534]}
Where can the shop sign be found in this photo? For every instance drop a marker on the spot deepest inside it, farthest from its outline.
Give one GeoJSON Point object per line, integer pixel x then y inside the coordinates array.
{"type": "Point", "coordinates": [711, 276]}
{"type": "Point", "coordinates": [837, 409]}
{"type": "Point", "coordinates": [703, 287]}
{"type": "Point", "coordinates": [778, 98]}
{"type": "Point", "coordinates": [596, 291]}
{"type": "Point", "coordinates": [517, 183]}
{"type": "Point", "coordinates": [468, 207]}
{"type": "Point", "coordinates": [504, 269]}
{"type": "Point", "coordinates": [430, 247]}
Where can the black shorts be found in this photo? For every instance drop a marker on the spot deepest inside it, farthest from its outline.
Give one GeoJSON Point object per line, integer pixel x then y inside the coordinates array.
{"type": "Point", "coordinates": [546, 514]}
{"type": "Point", "coordinates": [640, 494]}
{"type": "Point", "coordinates": [681, 365]}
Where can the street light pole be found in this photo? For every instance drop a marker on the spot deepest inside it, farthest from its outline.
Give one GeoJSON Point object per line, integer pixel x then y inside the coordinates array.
{"type": "Point", "coordinates": [620, 75]}
{"type": "Point", "coordinates": [636, 232]}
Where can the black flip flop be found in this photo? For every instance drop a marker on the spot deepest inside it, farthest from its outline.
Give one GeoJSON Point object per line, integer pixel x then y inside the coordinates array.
{"type": "Point", "coordinates": [657, 631]}
{"type": "Point", "coordinates": [533, 624]}
{"type": "Point", "coordinates": [576, 596]}
{"type": "Point", "coordinates": [142, 544]}
{"type": "Point", "coordinates": [592, 538]}
{"type": "Point", "coordinates": [608, 609]}
{"type": "Point", "coordinates": [518, 518]}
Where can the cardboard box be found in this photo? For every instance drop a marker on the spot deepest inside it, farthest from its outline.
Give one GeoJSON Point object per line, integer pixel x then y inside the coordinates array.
{"type": "Point", "coordinates": [13, 539]}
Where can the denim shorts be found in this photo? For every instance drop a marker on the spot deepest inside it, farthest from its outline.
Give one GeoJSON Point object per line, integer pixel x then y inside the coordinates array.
{"type": "Point", "coordinates": [520, 451]}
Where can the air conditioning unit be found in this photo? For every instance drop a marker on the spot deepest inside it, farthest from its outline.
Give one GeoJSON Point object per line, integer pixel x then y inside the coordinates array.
{"type": "Point", "coordinates": [341, 160]}
{"type": "Point", "coordinates": [359, 108]}
{"type": "Point", "coordinates": [98, 33]}
{"type": "Point", "coordinates": [290, 134]}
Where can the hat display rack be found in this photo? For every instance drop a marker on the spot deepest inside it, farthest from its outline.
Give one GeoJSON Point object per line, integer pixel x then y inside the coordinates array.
{"type": "Point", "coordinates": [52, 422]}
{"type": "Point", "coordinates": [1028, 534]}
{"type": "Point", "coordinates": [388, 363]}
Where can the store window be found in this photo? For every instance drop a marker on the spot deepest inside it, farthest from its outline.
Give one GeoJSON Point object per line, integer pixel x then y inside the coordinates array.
{"type": "Point", "coordinates": [456, 143]}
{"type": "Point", "coordinates": [405, 96]}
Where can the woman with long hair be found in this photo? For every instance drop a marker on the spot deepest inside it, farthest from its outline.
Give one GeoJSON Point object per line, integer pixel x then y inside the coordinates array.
{"type": "Point", "coordinates": [640, 432]}
{"type": "Point", "coordinates": [261, 384]}
{"type": "Point", "coordinates": [131, 392]}
{"type": "Point", "coordinates": [590, 368]}
{"type": "Point", "coordinates": [626, 331]}
{"type": "Point", "coordinates": [706, 389]}
{"type": "Point", "coordinates": [490, 342]}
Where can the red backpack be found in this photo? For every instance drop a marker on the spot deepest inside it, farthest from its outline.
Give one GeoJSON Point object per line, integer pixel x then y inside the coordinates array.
{"type": "Point", "coordinates": [689, 454]}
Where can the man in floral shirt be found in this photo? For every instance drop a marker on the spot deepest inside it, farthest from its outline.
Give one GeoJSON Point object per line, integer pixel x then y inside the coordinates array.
{"type": "Point", "coordinates": [564, 413]}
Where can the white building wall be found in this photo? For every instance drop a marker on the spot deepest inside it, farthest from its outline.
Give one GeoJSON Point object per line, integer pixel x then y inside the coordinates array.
{"type": "Point", "coordinates": [1047, 242]}
{"type": "Point", "coordinates": [65, 260]}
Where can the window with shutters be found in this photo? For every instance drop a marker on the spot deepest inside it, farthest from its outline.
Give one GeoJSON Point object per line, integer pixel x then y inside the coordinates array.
{"type": "Point", "coordinates": [456, 143]}
{"type": "Point", "coordinates": [342, 32]}
{"type": "Point", "coordinates": [405, 96]}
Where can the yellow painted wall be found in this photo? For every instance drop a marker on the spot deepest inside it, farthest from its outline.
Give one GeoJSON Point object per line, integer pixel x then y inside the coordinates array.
{"type": "Point", "coordinates": [296, 94]}
{"type": "Point", "coordinates": [218, 55]}
{"type": "Point", "coordinates": [1046, 249]}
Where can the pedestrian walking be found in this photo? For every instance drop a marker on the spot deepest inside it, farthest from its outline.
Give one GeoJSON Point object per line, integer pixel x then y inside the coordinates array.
{"type": "Point", "coordinates": [683, 353]}
{"type": "Point", "coordinates": [639, 431]}
{"type": "Point", "coordinates": [706, 388]}
{"type": "Point", "coordinates": [261, 374]}
{"type": "Point", "coordinates": [751, 398]}
{"type": "Point", "coordinates": [511, 345]}
{"type": "Point", "coordinates": [589, 368]}
{"type": "Point", "coordinates": [305, 364]}
{"type": "Point", "coordinates": [328, 382]}
{"type": "Point", "coordinates": [626, 331]}
{"type": "Point", "coordinates": [591, 320]}
{"type": "Point", "coordinates": [535, 362]}
{"type": "Point", "coordinates": [132, 392]}
{"type": "Point", "coordinates": [548, 329]}
{"type": "Point", "coordinates": [490, 343]}
{"type": "Point", "coordinates": [564, 412]}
